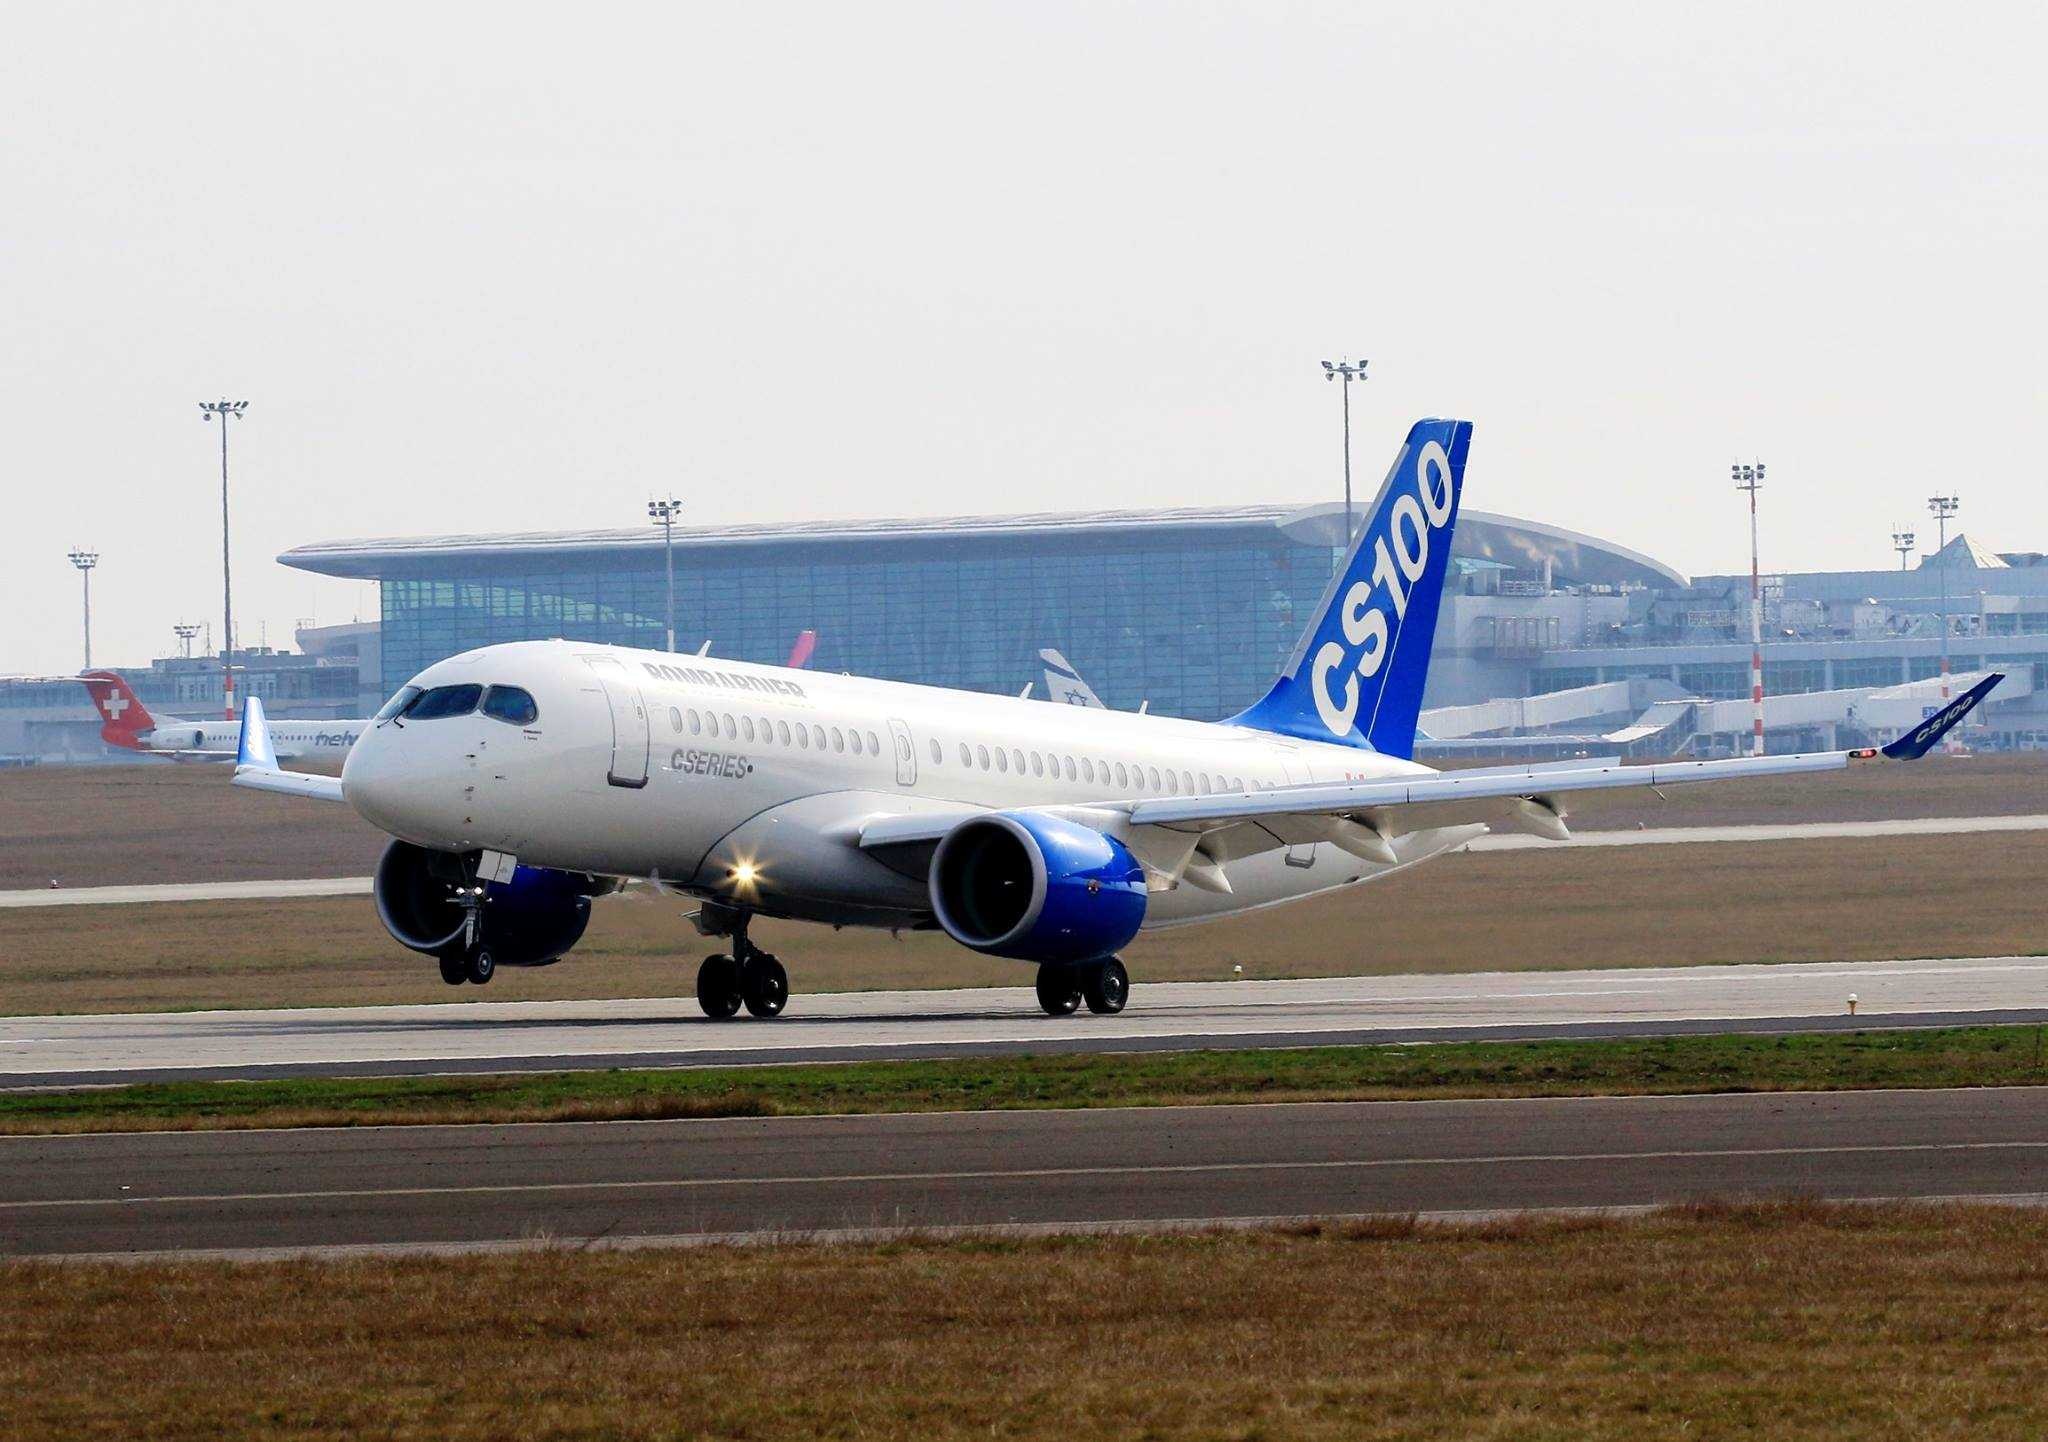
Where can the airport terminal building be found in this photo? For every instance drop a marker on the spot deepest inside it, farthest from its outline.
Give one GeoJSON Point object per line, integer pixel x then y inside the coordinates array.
{"type": "Point", "coordinates": [1193, 610]}
{"type": "Point", "coordinates": [1190, 610]}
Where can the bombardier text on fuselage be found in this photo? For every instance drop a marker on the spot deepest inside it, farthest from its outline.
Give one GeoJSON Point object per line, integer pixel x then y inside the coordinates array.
{"type": "Point", "coordinates": [521, 781]}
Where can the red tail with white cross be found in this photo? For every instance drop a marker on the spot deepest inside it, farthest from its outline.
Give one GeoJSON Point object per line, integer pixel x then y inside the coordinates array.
{"type": "Point", "coordinates": [124, 719]}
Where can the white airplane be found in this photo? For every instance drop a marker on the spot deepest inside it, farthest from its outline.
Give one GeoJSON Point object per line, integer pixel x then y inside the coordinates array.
{"type": "Point", "coordinates": [125, 722]}
{"type": "Point", "coordinates": [522, 780]}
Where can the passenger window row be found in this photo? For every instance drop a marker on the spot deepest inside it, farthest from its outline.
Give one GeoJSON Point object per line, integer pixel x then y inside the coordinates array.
{"type": "Point", "coordinates": [802, 736]}
{"type": "Point", "coordinates": [1088, 771]}
{"type": "Point", "coordinates": [1093, 772]}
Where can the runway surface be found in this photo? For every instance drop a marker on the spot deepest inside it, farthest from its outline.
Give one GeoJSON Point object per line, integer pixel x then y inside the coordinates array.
{"type": "Point", "coordinates": [252, 1194]}
{"type": "Point", "coordinates": [484, 1036]}
{"type": "Point", "coordinates": [1654, 836]}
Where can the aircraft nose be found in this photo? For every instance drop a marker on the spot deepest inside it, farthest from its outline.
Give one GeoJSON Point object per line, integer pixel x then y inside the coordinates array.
{"type": "Point", "coordinates": [371, 780]}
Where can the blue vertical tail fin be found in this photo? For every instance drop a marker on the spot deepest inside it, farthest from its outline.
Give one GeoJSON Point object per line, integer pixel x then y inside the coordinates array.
{"type": "Point", "coordinates": [1356, 675]}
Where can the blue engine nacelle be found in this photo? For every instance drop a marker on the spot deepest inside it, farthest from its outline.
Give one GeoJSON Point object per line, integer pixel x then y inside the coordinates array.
{"type": "Point", "coordinates": [531, 920]}
{"type": "Point", "coordinates": [1036, 888]}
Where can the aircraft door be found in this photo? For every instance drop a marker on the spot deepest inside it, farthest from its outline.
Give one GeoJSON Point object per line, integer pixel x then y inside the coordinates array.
{"type": "Point", "coordinates": [906, 753]}
{"type": "Point", "coordinates": [630, 735]}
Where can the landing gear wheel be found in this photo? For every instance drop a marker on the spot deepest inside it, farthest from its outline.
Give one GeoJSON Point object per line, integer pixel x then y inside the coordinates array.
{"type": "Point", "coordinates": [454, 969]}
{"type": "Point", "coordinates": [718, 986]}
{"type": "Point", "coordinates": [1057, 991]}
{"type": "Point", "coordinates": [481, 966]}
{"type": "Point", "coordinates": [764, 985]}
{"type": "Point", "coordinates": [1107, 988]}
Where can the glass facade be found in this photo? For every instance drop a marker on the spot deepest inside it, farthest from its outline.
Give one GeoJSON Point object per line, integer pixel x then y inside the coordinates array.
{"type": "Point", "coordinates": [1195, 620]}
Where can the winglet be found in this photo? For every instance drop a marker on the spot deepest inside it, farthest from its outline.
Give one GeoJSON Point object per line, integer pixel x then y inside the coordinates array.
{"type": "Point", "coordinates": [255, 748]}
{"type": "Point", "coordinates": [1922, 738]}
{"type": "Point", "coordinates": [256, 762]}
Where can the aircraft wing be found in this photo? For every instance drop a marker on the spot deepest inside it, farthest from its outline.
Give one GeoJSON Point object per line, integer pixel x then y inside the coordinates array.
{"type": "Point", "coordinates": [256, 762]}
{"type": "Point", "coordinates": [1362, 816]}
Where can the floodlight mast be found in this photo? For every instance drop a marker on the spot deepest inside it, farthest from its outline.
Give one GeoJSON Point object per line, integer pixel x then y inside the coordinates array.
{"type": "Point", "coordinates": [663, 513]}
{"type": "Point", "coordinates": [1350, 372]}
{"type": "Point", "coordinates": [185, 631]}
{"type": "Point", "coordinates": [1751, 478]}
{"type": "Point", "coordinates": [225, 411]}
{"type": "Point", "coordinates": [1902, 542]}
{"type": "Point", "coordinates": [1943, 509]}
{"type": "Point", "coordinates": [85, 561]}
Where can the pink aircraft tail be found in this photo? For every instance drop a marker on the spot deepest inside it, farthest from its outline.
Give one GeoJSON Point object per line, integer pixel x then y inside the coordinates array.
{"type": "Point", "coordinates": [800, 653]}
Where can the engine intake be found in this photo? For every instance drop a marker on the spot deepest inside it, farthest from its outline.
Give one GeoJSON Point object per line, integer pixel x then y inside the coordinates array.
{"type": "Point", "coordinates": [1036, 888]}
{"type": "Point", "coordinates": [531, 920]}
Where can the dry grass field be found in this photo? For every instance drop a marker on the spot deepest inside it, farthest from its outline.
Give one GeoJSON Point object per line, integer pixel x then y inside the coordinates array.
{"type": "Point", "coordinates": [1774, 1322]}
{"type": "Point", "coordinates": [116, 825]}
{"type": "Point", "coordinates": [1855, 900]}
{"type": "Point", "coordinates": [123, 825]}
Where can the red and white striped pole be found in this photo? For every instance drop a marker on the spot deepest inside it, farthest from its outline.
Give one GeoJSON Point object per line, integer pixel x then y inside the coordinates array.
{"type": "Point", "coordinates": [1750, 478]}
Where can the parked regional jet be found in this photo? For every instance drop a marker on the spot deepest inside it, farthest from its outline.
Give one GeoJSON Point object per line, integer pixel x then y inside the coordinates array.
{"type": "Point", "coordinates": [126, 722]}
{"type": "Point", "coordinates": [522, 780]}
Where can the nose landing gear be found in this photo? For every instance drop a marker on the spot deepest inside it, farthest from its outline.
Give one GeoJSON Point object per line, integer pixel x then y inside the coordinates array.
{"type": "Point", "coordinates": [749, 977]}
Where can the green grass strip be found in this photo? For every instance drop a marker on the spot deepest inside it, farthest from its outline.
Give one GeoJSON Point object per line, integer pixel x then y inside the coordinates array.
{"type": "Point", "coordinates": [1953, 1057]}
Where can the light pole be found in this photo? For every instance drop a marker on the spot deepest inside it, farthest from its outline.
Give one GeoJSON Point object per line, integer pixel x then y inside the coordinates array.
{"type": "Point", "coordinates": [186, 630]}
{"type": "Point", "coordinates": [1943, 509]}
{"type": "Point", "coordinates": [85, 561]}
{"type": "Point", "coordinates": [225, 411]}
{"type": "Point", "coordinates": [1331, 371]}
{"type": "Point", "coordinates": [664, 512]}
{"type": "Point", "coordinates": [1902, 542]}
{"type": "Point", "coordinates": [1751, 478]}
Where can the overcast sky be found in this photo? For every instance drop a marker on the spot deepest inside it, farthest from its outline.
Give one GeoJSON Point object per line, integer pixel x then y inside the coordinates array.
{"type": "Point", "coordinates": [493, 267]}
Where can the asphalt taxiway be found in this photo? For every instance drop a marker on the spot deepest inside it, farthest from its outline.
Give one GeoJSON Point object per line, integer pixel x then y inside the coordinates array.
{"type": "Point", "coordinates": [385, 1189]}
{"type": "Point", "coordinates": [479, 1035]}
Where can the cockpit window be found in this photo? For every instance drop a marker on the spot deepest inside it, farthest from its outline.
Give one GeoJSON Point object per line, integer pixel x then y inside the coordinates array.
{"type": "Point", "coordinates": [445, 701]}
{"type": "Point", "coordinates": [402, 698]}
{"type": "Point", "coordinates": [509, 703]}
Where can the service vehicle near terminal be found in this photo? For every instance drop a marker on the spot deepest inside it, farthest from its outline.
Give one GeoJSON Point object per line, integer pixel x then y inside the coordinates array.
{"type": "Point", "coordinates": [521, 781]}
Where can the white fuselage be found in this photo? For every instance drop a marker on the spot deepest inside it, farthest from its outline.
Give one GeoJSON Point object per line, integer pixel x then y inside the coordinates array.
{"type": "Point", "coordinates": [295, 740]}
{"type": "Point", "coordinates": [751, 783]}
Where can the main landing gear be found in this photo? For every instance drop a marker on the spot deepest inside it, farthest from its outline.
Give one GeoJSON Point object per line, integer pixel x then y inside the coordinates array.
{"type": "Point", "coordinates": [476, 964]}
{"type": "Point", "coordinates": [750, 977]}
{"type": "Point", "coordinates": [1104, 985]}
